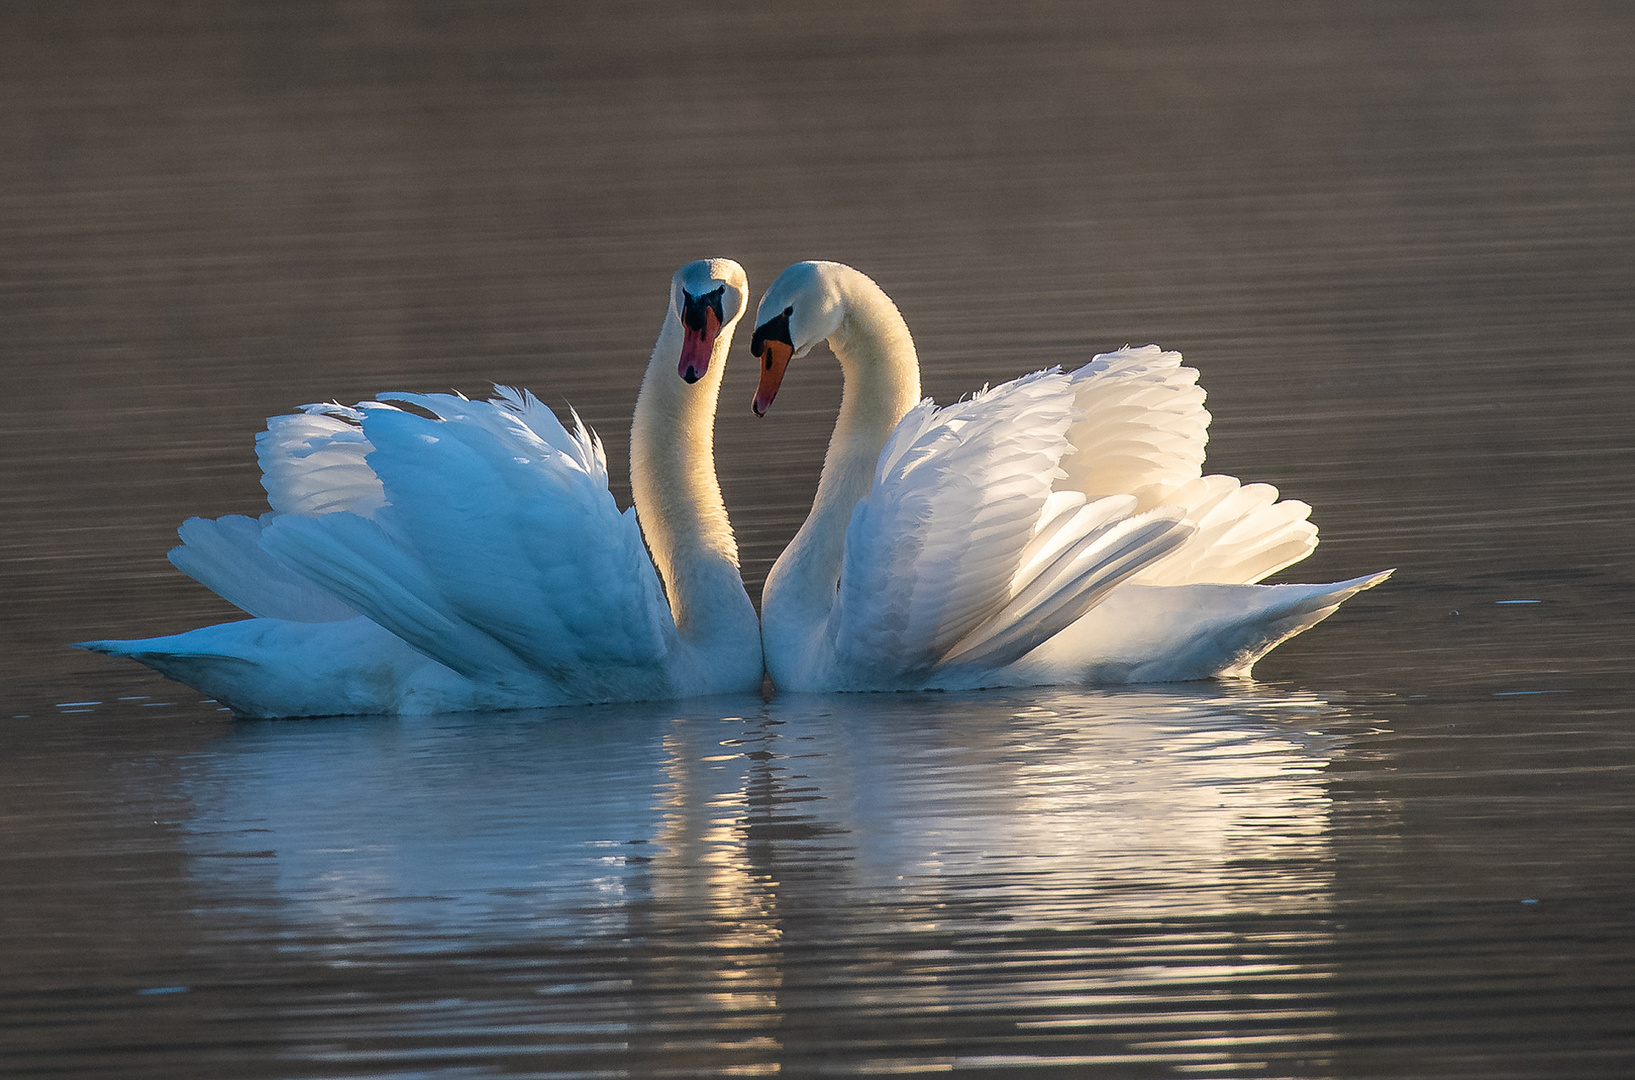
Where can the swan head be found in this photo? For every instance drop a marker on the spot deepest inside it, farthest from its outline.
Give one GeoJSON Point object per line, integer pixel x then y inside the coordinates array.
{"type": "Point", "coordinates": [802, 307]}
{"type": "Point", "coordinates": [706, 297]}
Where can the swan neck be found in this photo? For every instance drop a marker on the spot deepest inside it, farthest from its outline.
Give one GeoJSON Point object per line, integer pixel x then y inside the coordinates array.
{"type": "Point", "coordinates": [675, 489]}
{"type": "Point", "coordinates": [882, 383]}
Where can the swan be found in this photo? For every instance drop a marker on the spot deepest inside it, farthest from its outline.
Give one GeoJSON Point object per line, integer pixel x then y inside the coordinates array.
{"type": "Point", "coordinates": [1055, 529]}
{"type": "Point", "coordinates": [430, 553]}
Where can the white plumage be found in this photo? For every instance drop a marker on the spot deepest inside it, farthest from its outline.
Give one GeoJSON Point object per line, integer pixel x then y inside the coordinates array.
{"type": "Point", "coordinates": [426, 552]}
{"type": "Point", "coordinates": [1055, 529]}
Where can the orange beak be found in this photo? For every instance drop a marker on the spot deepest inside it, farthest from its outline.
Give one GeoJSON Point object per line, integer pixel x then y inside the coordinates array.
{"type": "Point", "coordinates": [696, 346]}
{"type": "Point", "coordinates": [774, 357]}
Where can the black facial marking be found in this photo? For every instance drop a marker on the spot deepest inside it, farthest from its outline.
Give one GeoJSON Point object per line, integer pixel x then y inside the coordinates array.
{"type": "Point", "coordinates": [774, 329]}
{"type": "Point", "coordinates": [693, 308]}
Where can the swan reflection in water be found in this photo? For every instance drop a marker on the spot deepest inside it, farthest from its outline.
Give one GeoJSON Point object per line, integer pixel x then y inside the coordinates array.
{"type": "Point", "coordinates": [1054, 806]}
{"type": "Point", "coordinates": [749, 838]}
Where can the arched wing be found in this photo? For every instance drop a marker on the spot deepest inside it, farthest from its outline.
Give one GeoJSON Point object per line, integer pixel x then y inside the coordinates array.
{"type": "Point", "coordinates": [948, 560]}
{"type": "Point", "coordinates": [931, 551]}
{"type": "Point", "coordinates": [1142, 426]}
{"type": "Point", "coordinates": [496, 546]}
{"type": "Point", "coordinates": [1143, 432]}
{"type": "Point", "coordinates": [316, 462]}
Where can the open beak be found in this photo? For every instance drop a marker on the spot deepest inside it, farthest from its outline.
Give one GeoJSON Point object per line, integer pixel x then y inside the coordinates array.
{"type": "Point", "coordinates": [774, 356]}
{"type": "Point", "coordinates": [697, 342]}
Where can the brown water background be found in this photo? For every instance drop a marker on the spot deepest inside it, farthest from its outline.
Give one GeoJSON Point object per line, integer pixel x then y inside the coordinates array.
{"type": "Point", "coordinates": [1398, 239]}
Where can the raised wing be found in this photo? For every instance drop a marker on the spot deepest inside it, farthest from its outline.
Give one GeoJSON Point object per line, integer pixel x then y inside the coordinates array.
{"type": "Point", "coordinates": [1142, 426]}
{"type": "Point", "coordinates": [959, 555]}
{"type": "Point", "coordinates": [1143, 432]}
{"type": "Point", "coordinates": [316, 462]}
{"type": "Point", "coordinates": [496, 546]}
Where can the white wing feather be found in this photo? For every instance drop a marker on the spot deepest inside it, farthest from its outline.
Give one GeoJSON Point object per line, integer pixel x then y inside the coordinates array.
{"type": "Point", "coordinates": [1143, 425]}
{"type": "Point", "coordinates": [1063, 589]}
{"type": "Point", "coordinates": [314, 462]}
{"type": "Point", "coordinates": [1243, 533]}
{"type": "Point", "coordinates": [224, 554]}
{"type": "Point", "coordinates": [497, 547]}
{"type": "Point", "coordinates": [1143, 432]}
{"type": "Point", "coordinates": [959, 553]}
{"type": "Point", "coordinates": [931, 552]}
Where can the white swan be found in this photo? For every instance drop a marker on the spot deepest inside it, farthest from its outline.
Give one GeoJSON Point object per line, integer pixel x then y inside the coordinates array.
{"type": "Point", "coordinates": [1054, 529]}
{"type": "Point", "coordinates": [428, 553]}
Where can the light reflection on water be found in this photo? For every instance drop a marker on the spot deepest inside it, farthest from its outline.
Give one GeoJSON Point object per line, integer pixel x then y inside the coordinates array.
{"type": "Point", "coordinates": [762, 865]}
{"type": "Point", "coordinates": [1058, 811]}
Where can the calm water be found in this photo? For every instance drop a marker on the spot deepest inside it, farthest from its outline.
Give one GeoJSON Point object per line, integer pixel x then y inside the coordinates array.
{"type": "Point", "coordinates": [1398, 240]}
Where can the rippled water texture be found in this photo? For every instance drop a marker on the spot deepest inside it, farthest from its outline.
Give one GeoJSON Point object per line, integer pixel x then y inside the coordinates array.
{"type": "Point", "coordinates": [1396, 238]}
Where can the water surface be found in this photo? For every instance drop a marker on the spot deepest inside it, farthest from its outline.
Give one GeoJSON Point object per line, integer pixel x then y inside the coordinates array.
{"type": "Point", "coordinates": [1397, 242]}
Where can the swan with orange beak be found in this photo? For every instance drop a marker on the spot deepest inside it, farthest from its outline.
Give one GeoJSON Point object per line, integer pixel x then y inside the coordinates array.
{"type": "Point", "coordinates": [1054, 529]}
{"type": "Point", "coordinates": [772, 347]}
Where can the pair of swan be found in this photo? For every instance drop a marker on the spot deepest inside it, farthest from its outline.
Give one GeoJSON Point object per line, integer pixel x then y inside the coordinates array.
{"type": "Point", "coordinates": [429, 553]}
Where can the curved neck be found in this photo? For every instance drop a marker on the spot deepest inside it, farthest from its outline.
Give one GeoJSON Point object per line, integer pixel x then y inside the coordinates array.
{"type": "Point", "coordinates": [882, 383]}
{"type": "Point", "coordinates": [674, 487]}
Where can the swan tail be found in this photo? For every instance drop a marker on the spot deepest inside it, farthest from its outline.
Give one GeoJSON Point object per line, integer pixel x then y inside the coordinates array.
{"type": "Point", "coordinates": [278, 668]}
{"type": "Point", "coordinates": [224, 555]}
{"type": "Point", "coordinates": [1057, 590]}
{"type": "Point", "coordinates": [224, 677]}
{"type": "Point", "coordinates": [1154, 633]}
{"type": "Point", "coordinates": [1303, 613]}
{"type": "Point", "coordinates": [236, 664]}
